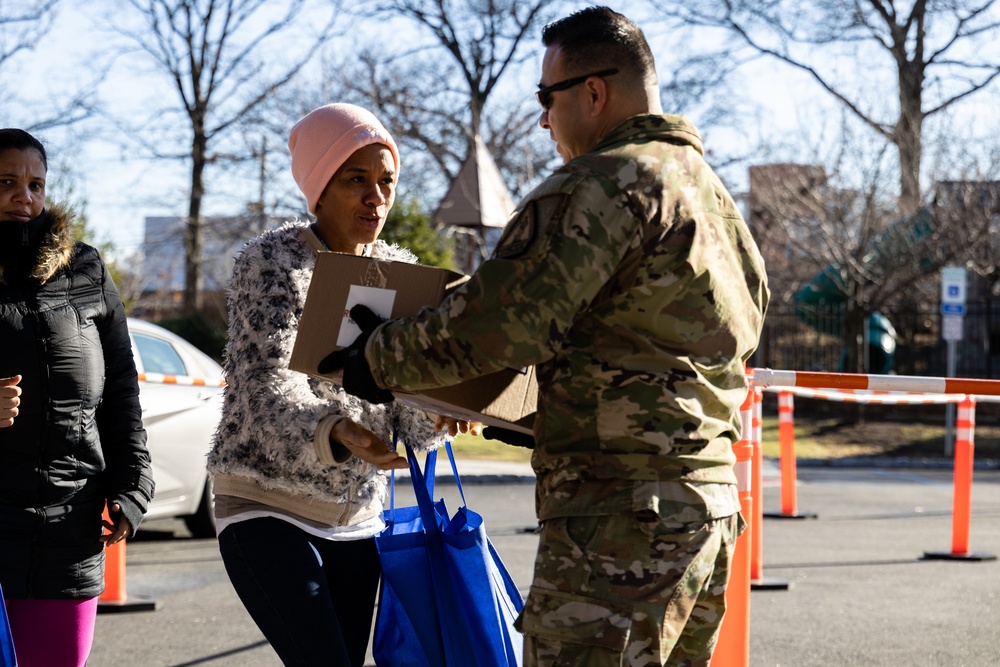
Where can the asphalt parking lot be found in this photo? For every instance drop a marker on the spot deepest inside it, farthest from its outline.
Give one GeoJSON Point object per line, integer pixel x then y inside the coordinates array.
{"type": "Point", "coordinates": [861, 594]}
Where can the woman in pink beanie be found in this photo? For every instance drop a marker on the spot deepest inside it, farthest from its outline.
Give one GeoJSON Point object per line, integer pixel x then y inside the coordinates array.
{"type": "Point", "coordinates": [326, 138]}
{"type": "Point", "coordinates": [295, 463]}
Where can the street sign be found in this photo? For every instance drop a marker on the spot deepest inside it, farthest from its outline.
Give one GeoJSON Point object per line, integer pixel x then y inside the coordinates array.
{"type": "Point", "coordinates": [953, 309]}
{"type": "Point", "coordinates": [952, 306]}
{"type": "Point", "coordinates": [951, 327]}
{"type": "Point", "coordinates": [952, 312]}
{"type": "Point", "coordinates": [953, 290]}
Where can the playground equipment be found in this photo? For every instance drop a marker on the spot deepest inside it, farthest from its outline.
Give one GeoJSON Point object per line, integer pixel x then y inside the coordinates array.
{"type": "Point", "coordinates": [820, 302]}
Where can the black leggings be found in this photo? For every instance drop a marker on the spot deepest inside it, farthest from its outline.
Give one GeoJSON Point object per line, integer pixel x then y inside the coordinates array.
{"type": "Point", "coordinates": [312, 598]}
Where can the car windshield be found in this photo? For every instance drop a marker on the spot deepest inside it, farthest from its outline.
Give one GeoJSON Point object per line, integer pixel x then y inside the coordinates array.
{"type": "Point", "coordinates": [159, 356]}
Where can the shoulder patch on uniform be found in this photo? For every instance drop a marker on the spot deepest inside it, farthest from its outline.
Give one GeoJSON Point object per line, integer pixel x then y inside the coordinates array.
{"type": "Point", "coordinates": [518, 235]}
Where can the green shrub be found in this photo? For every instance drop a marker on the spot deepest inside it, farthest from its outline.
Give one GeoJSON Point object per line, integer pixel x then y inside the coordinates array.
{"type": "Point", "coordinates": [197, 330]}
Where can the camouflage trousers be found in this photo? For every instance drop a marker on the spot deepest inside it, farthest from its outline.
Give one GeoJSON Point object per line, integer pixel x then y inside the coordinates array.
{"type": "Point", "coordinates": [623, 591]}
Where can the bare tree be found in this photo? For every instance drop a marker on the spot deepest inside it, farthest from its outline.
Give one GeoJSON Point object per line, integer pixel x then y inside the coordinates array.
{"type": "Point", "coordinates": [23, 26]}
{"type": "Point", "coordinates": [830, 245]}
{"type": "Point", "coordinates": [435, 95]}
{"type": "Point", "coordinates": [968, 212]}
{"type": "Point", "coordinates": [214, 52]}
{"type": "Point", "coordinates": [941, 52]}
{"type": "Point", "coordinates": [481, 36]}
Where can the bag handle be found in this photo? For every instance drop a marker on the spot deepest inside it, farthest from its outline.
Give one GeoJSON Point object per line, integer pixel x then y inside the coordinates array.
{"type": "Point", "coordinates": [423, 486]}
{"type": "Point", "coordinates": [434, 543]}
{"type": "Point", "coordinates": [421, 491]}
{"type": "Point", "coordinates": [454, 470]}
{"type": "Point", "coordinates": [392, 484]}
{"type": "Point", "coordinates": [430, 466]}
{"type": "Point", "coordinates": [429, 471]}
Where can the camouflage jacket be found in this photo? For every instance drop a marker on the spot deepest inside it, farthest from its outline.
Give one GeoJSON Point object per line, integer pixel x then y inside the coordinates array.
{"type": "Point", "coordinates": [632, 282]}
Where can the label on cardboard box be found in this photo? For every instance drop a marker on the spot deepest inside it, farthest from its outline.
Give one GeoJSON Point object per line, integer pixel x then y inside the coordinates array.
{"type": "Point", "coordinates": [380, 301]}
{"type": "Point", "coordinates": [397, 289]}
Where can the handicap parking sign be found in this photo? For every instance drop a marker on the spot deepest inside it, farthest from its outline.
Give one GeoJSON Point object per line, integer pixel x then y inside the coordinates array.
{"type": "Point", "coordinates": [953, 290]}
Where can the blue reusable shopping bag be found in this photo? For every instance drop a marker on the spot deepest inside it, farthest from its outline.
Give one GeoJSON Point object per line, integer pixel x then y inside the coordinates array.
{"type": "Point", "coordinates": [7, 656]}
{"type": "Point", "coordinates": [446, 599]}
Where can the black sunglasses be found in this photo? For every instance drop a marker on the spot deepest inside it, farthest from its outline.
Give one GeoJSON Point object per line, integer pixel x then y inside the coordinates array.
{"type": "Point", "coordinates": [544, 95]}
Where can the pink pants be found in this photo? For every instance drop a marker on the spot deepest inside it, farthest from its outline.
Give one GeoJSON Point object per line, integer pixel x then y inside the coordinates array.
{"type": "Point", "coordinates": [52, 633]}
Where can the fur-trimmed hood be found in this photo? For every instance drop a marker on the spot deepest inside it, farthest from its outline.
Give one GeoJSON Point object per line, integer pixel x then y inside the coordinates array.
{"type": "Point", "coordinates": [55, 249]}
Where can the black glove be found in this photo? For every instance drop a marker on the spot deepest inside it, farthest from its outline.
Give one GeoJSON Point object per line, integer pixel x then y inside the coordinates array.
{"type": "Point", "coordinates": [358, 378]}
{"type": "Point", "coordinates": [510, 437]}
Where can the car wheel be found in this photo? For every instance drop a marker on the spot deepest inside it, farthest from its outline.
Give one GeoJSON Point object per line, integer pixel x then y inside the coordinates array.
{"type": "Point", "coordinates": [202, 523]}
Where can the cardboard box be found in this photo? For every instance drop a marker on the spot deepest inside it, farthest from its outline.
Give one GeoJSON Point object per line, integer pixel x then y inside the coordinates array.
{"type": "Point", "coordinates": [397, 289]}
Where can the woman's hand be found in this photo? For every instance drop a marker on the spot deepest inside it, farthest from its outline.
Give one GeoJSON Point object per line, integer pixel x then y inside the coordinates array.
{"type": "Point", "coordinates": [10, 399]}
{"type": "Point", "coordinates": [456, 426]}
{"type": "Point", "coordinates": [366, 445]}
{"type": "Point", "coordinates": [119, 532]}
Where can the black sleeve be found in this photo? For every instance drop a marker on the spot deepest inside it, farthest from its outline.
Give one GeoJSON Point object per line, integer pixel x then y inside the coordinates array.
{"type": "Point", "coordinates": [119, 417]}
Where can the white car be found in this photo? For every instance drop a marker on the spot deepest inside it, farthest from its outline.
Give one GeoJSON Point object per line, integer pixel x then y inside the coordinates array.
{"type": "Point", "coordinates": [180, 389]}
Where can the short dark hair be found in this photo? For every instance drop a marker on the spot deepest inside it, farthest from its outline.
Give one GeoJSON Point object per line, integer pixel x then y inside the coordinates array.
{"type": "Point", "coordinates": [12, 137]}
{"type": "Point", "coordinates": [600, 38]}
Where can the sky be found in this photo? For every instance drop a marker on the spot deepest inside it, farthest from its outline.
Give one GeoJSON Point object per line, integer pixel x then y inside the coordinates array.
{"type": "Point", "coordinates": [120, 187]}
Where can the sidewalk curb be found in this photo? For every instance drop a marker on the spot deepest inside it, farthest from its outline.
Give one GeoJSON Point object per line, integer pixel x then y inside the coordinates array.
{"type": "Point", "coordinates": [480, 471]}
{"type": "Point", "coordinates": [487, 478]}
{"type": "Point", "coordinates": [903, 462]}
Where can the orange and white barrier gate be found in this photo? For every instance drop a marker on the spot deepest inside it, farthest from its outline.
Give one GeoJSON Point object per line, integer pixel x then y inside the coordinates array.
{"type": "Point", "coordinates": [914, 390]}
{"type": "Point", "coordinates": [786, 430]}
{"type": "Point", "coordinates": [765, 377]}
{"type": "Point", "coordinates": [733, 648]}
{"type": "Point", "coordinates": [871, 397]}
{"type": "Point", "coordinates": [184, 380]}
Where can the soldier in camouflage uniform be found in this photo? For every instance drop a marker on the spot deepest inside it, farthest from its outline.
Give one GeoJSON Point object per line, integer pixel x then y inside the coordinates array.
{"type": "Point", "coordinates": [630, 280]}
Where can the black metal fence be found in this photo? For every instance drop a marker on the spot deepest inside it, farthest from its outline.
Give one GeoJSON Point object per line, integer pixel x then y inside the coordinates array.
{"type": "Point", "coordinates": [794, 339]}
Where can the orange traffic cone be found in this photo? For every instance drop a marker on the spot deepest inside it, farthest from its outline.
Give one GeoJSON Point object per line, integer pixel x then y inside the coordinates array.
{"type": "Point", "coordinates": [733, 647]}
{"type": "Point", "coordinates": [961, 517]}
{"type": "Point", "coordinates": [114, 598]}
{"type": "Point", "coordinates": [786, 458]}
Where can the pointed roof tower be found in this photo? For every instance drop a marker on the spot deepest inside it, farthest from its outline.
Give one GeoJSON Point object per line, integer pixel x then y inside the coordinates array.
{"type": "Point", "coordinates": [476, 208]}
{"type": "Point", "coordinates": [478, 196]}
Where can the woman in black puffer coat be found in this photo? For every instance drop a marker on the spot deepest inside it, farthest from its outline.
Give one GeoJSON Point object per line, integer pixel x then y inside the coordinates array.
{"type": "Point", "coordinates": [71, 435]}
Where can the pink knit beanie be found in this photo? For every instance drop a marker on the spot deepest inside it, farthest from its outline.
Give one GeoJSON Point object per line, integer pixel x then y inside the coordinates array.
{"type": "Point", "coordinates": [323, 140]}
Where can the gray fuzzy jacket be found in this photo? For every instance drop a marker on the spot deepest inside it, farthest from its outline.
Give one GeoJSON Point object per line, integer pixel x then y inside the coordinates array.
{"type": "Point", "coordinates": [263, 448]}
